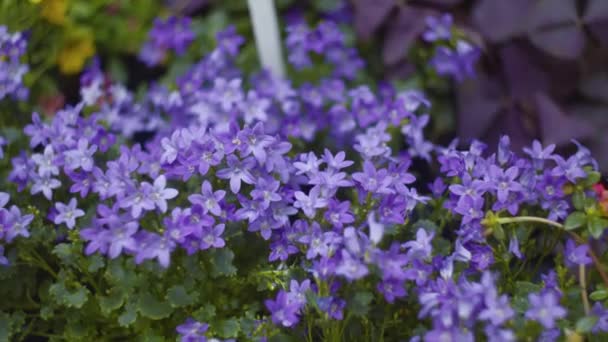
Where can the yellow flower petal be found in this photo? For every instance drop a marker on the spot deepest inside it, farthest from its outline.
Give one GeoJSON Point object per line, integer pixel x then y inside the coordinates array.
{"type": "Point", "coordinates": [54, 11]}
{"type": "Point", "coordinates": [75, 52]}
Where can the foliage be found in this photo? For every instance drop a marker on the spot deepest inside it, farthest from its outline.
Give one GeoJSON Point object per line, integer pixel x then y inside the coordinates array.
{"type": "Point", "coordinates": [220, 201]}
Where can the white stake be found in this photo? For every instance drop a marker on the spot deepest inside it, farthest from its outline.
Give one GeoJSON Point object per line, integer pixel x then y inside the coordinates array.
{"type": "Point", "coordinates": [267, 37]}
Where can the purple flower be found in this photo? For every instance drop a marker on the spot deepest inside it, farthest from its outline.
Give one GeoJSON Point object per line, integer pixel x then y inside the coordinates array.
{"type": "Point", "coordinates": [438, 28]}
{"type": "Point", "coordinates": [338, 213]}
{"type": "Point", "coordinates": [602, 314]}
{"type": "Point", "coordinates": [570, 168]}
{"type": "Point", "coordinates": [154, 246]}
{"type": "Point", "coordinates": [98, 239]}
{"type": "Point", "coordinates": [391, 289]}
{"type": "Point", "coordinates": [209, 200]}
{"type": "Point", "coordinates": [281, 249]}
{"type": "Point", "coordinates": [237, 171]}
{"type": "Point", "coordinates": [192, 330]}
{"type": "Point", "coordinates": [311, 202]}
{"type": "Point", "coordinates": [420, 248]}
{"type": "Point", "coordinates": [18, 223]}
{"type": "Point", "coordinates": [458, 63]}
{"type": "Point", "coordinates": [227, 93]}
{"type": "Point", "coordinates": [138, 200]}
{"type": "Point", "coordinates": [374, 181]}
{"type": "Point", "coordinates": [577, 255]}
{"type": "Point", "coordinates": [376, 229]}
{"type": "Point", "coordinates": [538, 154]}
{"type": "Point", "coordinates": [229, 41]}
{"type": "Point", "coordinates": [497, 310]}
{"type": "Point", "coordinates": [4, 198]}
{"type": "Point", "coordinates": [3, 258]}
{"type": "Point", "coordinates": [545, 309]}
{"type": "Point", "coordinates": [46, 162]}
{"type": "Point", "coordinates": [46, 185]}
{"type": "Point", "coordinates": [122, 238]}
{"type": "Point", "coordinates": [158, 193]}
{"type": "Point", "coordinates": [351, 268]}
{"type": "Point", "coordinates": [471, 209]}
{"type": "Point", "coordinates": [470, 187]}
{"type": "Point", "coordinates": [81, 157]}
{"type": "Point", "coordinates": [514, 247]}
{"type": "Point", "coordinates": [297, 291]}
{"type": "Point", "coordinates": [336, 162]}
{"type": "Point", "coordinates": [37, 131]}
{"type": "Point", "coordinates": [265, 191]}
{"type": "Point", "coordinates": [212, 237]}
{"type": "Point", "coordinates": [504, 181]}
{"type": "Point", "coordinates": [283, 311]}
{"type": "Point", "coordinates": [255, 141]}
{"type": "Point", "coordinates": [173, 33]}
{"type": "Point", "coordinates": [67, 213]}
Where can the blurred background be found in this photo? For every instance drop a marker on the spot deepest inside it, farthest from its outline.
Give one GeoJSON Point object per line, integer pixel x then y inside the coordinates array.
{"type": "Point", "coordinates": [541, 71]}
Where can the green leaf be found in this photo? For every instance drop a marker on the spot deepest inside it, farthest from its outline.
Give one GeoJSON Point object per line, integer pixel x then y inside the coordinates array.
{"type": "Point", "coordinates": [592, 178]}
{"type": "Point", "coordinates": [575, 220]}
{"type": "Point", "coordinates": [578, 200]}
{"type": "Point", "coordinates": [596, 226]}
{"type": "Point", "coordinates": [585, 324]}
{"type": "Point", "coordinates": [113, 301]}
{"type": "Point", "coordinates": [205, 313]}
{"type": "Point", "coordinates": [152, 308]}
{"type": "Point", "coordinates": [119, 274]}
{"type": "Point", "coordinates": [599, 295]}
{"type": "Point", "coordinates": [498, 232]}
{"type": "Point", "coordinates": [359, 304]}
{"type": "Point", "coordinates": [522, 290]}
{"type": "Point", "coordinates": [178, 296]}
{"type": "Point", "coordinates": [221, 263]}
{"type": "Point", "coordinates": [5, 327]}
{"type": "Point", "coordinates": [46, 312]}
{"type": "Point", "coordinates": [129, 316]}
{"type": "Point", "coordinates": [96, 262]}
{"type": "Point", "coordinates": [228, 328]}
{"type": "Point", "coordinates": [65, 253]}
{"type": "Point", "coordinates": [70, 298]}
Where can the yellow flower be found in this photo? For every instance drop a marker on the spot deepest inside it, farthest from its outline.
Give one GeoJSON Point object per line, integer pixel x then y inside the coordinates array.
{"type": "Point", "coordinates": [54, 10]}
{"type": "Point", "coordinates": [77, 48]}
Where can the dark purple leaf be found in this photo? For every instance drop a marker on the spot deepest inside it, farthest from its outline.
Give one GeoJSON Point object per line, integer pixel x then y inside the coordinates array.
{"type": "Point", "coordinates": [553, 28]}
{"type": "Point", "coordinates": [369, 15]}
{"type": "Point", "coordinates": [500, 20]}
{"type": "Point", "coordinates": [599, 30]}
{"type": "Point", "coordinates": [564, 42]}
{"type": "Point", "coordinates": [595, 86]}
{"type": "Point", "coordinates": [186, 6]}
{"type": "Point", "coordinates": [479, 101]}
{"type": "Point", "coordinates": [556, 126]}
{"type": "Point", "coordinates": [551, 13]}
{"type": "Point", "coordinates": [402, 32]}
{"type": "Point", "coordinates": [596, 11]}
{"type": "Point", "coordinates": [598, 143]}
{"type": "Point", "coordinates": [523, 77]}
{"type": "Point", "coordinates": [444, 2]}
{"type": "Point", "coordinates": [509, 122]}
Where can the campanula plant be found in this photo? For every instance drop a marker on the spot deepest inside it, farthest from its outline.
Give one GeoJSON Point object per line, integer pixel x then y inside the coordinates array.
{"type": "Point", "coordinates": [258, 208]}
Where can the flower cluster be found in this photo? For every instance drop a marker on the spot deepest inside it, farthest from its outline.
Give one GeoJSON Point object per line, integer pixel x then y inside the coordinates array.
{"type": "Point", "coordinates": [453, 57]}
{"type": "Point", "coordinates": [172, 34]}
{"type": "Point", "coordinates": [231, 154]}
{"type": "Point", "coordinates": [12, 224]}
{"type": "Point", "coordinates": [325, 40]}
{"type": "Point", "coordinates": [12, 48]}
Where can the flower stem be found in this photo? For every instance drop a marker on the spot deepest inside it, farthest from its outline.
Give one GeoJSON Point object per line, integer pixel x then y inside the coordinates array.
{"type": "Point", "coordinates": [503, 220]}
{"type": "Point", "coordinates": [578, 238]}
{"type": "Point", "coordinates": [583, 282]}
